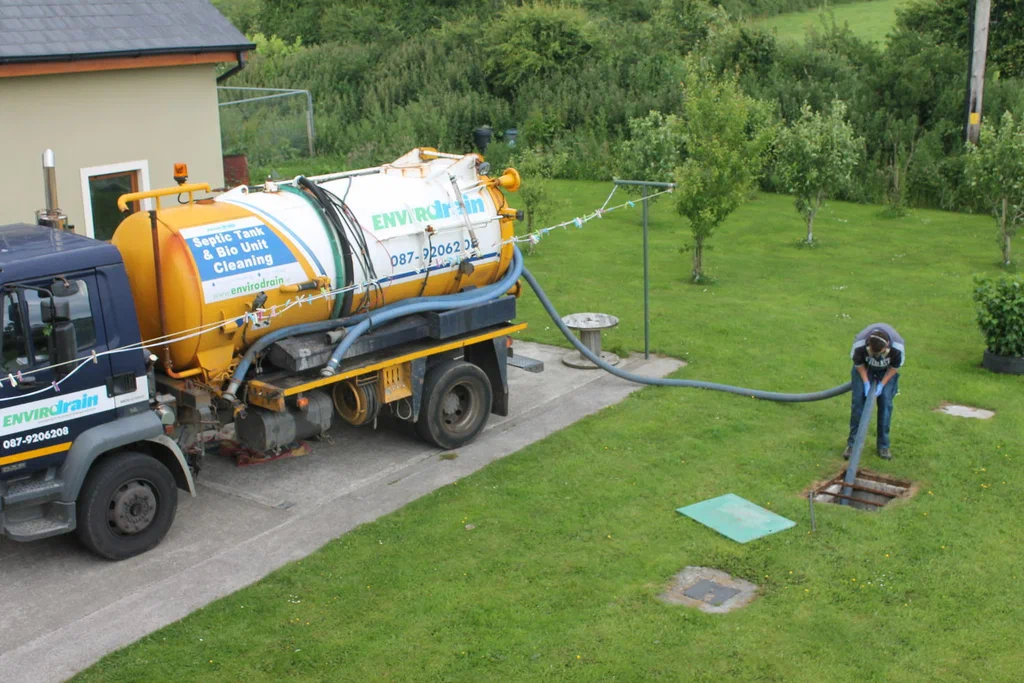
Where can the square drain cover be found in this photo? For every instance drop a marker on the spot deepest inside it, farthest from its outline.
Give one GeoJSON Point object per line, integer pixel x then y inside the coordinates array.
{"type": "Point", "coordinates": [710, 592]}
{"type": "Point", "coordinates": [736, 518]}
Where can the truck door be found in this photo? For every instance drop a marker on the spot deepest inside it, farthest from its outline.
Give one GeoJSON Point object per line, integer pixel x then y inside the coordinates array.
{"type": "Point", "coordinates": [51, 406]}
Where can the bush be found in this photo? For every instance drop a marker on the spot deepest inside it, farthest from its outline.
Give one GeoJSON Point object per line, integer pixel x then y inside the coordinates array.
{"type": "Point", "coordinates": [1001, 313]}
{"type": "Point", "coordinates": [534, 41]}
{"type": "Point", "coordinates": [655, 149]}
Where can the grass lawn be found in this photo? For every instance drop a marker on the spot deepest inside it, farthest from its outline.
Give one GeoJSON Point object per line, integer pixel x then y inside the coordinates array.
{"type": "Point", "coordinates": [576, 535]}
{"type": "Point", "coordinates": [869, 20]}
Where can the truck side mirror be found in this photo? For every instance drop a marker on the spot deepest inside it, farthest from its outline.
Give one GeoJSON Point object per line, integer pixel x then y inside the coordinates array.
{"type": "Point", "coordinates": [62, 287]}
{"type": "Point", "coordinates": [52, 311]}
{"type": "Point", "coordinates": [65, 346]}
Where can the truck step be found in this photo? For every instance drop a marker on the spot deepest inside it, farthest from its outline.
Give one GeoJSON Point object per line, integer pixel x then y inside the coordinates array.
{"type": "Point", "coordinates": [40, 527]}
{"type": "Point", "coordinates": [35, 490]}
{"type": "Point", "coordinates": [526, 363]}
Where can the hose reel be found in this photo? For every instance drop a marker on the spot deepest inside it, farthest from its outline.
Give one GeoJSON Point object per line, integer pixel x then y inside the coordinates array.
{"type": "Point", "coordinates": [356, 400]}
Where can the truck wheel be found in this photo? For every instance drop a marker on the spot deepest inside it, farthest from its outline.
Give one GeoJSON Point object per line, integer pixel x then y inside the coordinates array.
{"type": "Point", "coordinates": [126, 506]}
{"type": "Point", "coordinates": [456, 404]}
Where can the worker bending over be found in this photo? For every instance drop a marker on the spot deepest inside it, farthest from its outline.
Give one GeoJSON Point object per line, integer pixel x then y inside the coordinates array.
{"type": "Point", "coordinates": [878, 354]}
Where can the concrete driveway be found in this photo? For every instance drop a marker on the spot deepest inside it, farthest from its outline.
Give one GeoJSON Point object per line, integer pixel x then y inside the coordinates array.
{"type": "Point", "coordinates": [61, 608]}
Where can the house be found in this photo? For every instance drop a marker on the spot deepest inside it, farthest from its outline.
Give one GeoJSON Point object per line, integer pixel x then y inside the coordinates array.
{"type": "Point", "coordinates": [120, 90]}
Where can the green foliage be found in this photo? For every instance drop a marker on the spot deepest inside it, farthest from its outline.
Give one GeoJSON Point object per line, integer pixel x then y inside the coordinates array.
{"type": "Point", "coordinates": [684, 23]}
{"type": "Point", "coordinates": [995, 172]}
{"type": "Point", "coordinates": [816, 157]}
{"type": "Point", "coordinates": [535, 195]}
{"type": "Point", "coordinates": [949, 22]}
{"type": "Point", "coordinates": [727, 134]}
{"type": "Point", "coordinates": [243, 14]}
{"type": "Point", "coordinates": [1000, 308]}
{"type": "Point", "coordinates": [275, 48]}
{"type": "Point", "coordinates": [655, 148]}
{"type": "Point", "coordinates": [533, 41]}
{"type": "Point", "coordinates": [388, 75]}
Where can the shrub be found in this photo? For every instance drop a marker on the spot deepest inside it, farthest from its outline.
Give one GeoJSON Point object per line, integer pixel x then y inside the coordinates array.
{"type": "Point", "coordinates": [655, 149]}
{"type": "Point", "coordinates": [534, 41]}
{"type": "Point", "coordinates": [1001, 313]}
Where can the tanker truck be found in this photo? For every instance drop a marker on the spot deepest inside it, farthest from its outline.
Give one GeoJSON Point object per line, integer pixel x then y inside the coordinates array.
{"type": "Point", "coordinates": [274, 308]}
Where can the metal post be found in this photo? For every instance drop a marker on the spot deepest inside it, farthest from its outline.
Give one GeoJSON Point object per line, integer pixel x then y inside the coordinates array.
{"type": "Point", "coordinates": [976, 80]}
{"type": "Point", "coordinates": [647, 287]}
{"type": "Point", "coordinates": [310, 133]}
{"type": "Point", "coordinates": [644, 184]}
{"type": "Point", "coordinates": [810, 501]}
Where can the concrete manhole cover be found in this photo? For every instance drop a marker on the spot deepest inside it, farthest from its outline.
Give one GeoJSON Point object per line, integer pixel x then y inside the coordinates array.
{"type": "Point", "coordinates": [964, 411]}
{"type": "Point", "coordinates": [709, 590]}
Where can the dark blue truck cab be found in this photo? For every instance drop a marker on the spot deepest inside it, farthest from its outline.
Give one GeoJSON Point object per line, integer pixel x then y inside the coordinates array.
{"type": "Point", "coordinates": [82, 436]}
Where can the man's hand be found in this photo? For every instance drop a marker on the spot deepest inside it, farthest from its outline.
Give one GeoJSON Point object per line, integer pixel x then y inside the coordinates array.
{"type": "Point", "coordinates": [878, 389]}
{"type": "Point", "coordinates": [867, 388]}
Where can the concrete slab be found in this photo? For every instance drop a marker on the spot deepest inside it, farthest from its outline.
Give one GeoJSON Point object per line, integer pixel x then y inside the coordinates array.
{"type": "Point", "coordinates": [709, 590]}
{"type": "Point", "coordinates": [63, 608]}
{"type": "Point", "coordinates": [965, 411]}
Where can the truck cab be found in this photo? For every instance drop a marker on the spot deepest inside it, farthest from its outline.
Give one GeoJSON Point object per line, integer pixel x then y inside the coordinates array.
{"type": "Point", "coordinates": [74, 418]}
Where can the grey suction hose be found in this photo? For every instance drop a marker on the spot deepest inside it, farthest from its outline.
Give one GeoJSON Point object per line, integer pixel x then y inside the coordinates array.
{"type": "Point", "coordinates": [665, 382]}
{"type": "Point", "coordinates": [380, 315]}
{"type": "Point", "coordinates": [858, 445]}
{"type": "Point", "coordinates": [422, 304]}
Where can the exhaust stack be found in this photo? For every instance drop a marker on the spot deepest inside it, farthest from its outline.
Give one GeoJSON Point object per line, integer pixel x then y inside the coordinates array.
{"type": "Point", "coordinates": [51, 216]}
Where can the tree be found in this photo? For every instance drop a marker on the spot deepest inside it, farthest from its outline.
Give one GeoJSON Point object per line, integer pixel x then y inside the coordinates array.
{"type": "Point", "coordinates": [655, 148]}
{"type": "Point", "coordinates": [534, 195]}
{"type": "Point", "coordinates": [727, 134]}
{"type": "Point", "coordinates": [995, 172]}
{"type": "Point", "coordinates": [817, 154]}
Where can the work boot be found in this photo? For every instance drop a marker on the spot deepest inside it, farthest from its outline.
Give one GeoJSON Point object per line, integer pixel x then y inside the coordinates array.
{"type": "Point", "coordinates": [847, 453]}
{"type": "Point", "coordinates": [884, 454]}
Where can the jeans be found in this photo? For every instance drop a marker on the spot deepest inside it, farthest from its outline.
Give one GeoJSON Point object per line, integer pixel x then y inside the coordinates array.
{"type": "Point", "coordinates": [884, 406]}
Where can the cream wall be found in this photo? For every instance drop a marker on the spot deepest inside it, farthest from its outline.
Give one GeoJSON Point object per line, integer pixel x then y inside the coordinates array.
{"type": "Point", "coordinates": [161, 115]}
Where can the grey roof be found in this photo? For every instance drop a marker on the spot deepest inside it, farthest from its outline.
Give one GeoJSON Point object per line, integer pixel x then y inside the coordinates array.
{"type": "Point", "coordinates": [49, 30]}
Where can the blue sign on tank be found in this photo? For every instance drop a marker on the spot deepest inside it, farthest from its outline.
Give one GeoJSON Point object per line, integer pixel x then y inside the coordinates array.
{"type": "Point", "coordinates": [236, 258]}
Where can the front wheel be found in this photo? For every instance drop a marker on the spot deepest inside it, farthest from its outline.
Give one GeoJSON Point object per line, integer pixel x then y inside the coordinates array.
{"type": "Point", "coordinates": [456, 404]}
{"type": "Point", "coordinates": [126, 506]}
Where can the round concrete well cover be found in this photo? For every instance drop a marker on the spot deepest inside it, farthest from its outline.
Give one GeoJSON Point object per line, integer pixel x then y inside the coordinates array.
{"type": "Point", "coordinates": [709, 590]}
{"type": "Point", "coordinates": [590, 321]}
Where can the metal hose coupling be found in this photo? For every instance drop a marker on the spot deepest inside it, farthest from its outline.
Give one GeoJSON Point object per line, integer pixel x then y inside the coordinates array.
{"type": "Point", "coordinates": [329, 370]}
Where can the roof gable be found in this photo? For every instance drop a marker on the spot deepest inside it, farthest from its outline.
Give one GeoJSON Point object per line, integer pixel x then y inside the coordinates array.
{"type": "Point", "coordinates": [49, 30]}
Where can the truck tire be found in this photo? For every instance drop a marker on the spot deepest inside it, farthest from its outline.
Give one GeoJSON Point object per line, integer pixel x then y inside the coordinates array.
{"type": "Point", "coordinates": [126, 506]}
{"type": "Point", "coordinates": [456, 404]}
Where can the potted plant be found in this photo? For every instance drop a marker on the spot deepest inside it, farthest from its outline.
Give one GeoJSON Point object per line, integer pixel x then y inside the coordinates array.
{"type": "Point", "coordinates": [1001, 319]}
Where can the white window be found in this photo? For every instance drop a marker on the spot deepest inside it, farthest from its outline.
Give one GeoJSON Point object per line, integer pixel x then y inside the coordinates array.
{"type": "Point", "coordinates": [102, 185]}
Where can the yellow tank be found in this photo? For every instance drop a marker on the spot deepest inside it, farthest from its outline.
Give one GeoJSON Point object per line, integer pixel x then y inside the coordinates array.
{"type": "Point", "coordinates": [218, 256]}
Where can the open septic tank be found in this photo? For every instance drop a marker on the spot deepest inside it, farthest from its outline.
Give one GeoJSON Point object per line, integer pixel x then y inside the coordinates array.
{"type": "Point", "coordinates": [869, 490]}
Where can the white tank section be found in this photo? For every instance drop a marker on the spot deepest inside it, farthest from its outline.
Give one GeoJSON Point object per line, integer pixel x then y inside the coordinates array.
{"type": "Point", "coordinates": [409, 213]}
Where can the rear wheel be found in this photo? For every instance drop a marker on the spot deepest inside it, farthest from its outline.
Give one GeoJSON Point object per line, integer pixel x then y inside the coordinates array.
{"type": "Point", "coordinates": [126, 506]}
{"type": "Point", "coordinates": [456, 404]}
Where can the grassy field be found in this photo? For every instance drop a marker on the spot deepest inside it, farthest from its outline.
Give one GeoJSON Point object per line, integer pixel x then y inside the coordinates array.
{"type": "Point", "coordinates": [869, 20]}
{"type": "Point", "coordinates": [576, 535]}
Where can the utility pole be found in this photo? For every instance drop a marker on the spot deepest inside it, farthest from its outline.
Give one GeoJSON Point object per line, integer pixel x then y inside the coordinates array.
{"type": "Point", "coordinates": [976, 76]}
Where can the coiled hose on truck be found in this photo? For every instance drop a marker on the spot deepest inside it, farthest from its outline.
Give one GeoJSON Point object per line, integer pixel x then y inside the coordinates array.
{"type": "Point", "coordinates": [358, 324]}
